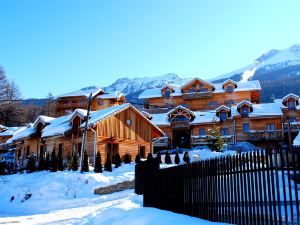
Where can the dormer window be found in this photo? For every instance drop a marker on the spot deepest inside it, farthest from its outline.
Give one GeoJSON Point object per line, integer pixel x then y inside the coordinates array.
{"type": "Point", "coordinates": [167, 94]}
{"type": "Point", "coordinates": [291, 105]}
{"type": "Point", "coordinates": [223, 116]}
{"type": "Point", "coordinates": [229, 89]}
{"type": "Point", "coordinates": [245, 111]}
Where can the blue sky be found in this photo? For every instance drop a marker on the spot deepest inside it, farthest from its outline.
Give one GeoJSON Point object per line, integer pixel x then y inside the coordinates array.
{"type": "Point", "coordinates": [59, 46]}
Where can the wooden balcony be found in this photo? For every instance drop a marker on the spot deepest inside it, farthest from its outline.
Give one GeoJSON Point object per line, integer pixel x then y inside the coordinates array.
{"type": "Point", "coordinates": [202, 139]}
{"type": "Point", "coordinates": [295, 127]}
{"type": "Point", "coordinates": [197, 95]}
{"type": "Point", "coordinates": [161, 142]}
{"type": "Point", "coordinates": [156, 111]}
{"type": "Point", "coordinates": [265, 135]}
{"type": "Point", "coordinates": [71, 105]}
{"type": "Point", "coordinates": [180, 125]}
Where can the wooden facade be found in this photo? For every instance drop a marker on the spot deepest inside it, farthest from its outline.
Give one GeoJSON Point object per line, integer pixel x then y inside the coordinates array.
{"type": "Point", "coordinates": [199, 95]}
{"type": "Point", "coordinates": [123, 130]}
{"type": "Point", "coordinates": [65, 104]}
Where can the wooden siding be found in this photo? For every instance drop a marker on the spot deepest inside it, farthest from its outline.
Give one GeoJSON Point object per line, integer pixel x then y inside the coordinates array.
{"type": "Point", "coordinates": [215, 101]}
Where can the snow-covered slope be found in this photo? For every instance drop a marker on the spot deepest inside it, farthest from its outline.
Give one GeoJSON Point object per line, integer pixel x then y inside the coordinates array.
{"type": "Point", "coordinates": [133, 87]}
{"type": "Point", "coordinates": [270, 61]}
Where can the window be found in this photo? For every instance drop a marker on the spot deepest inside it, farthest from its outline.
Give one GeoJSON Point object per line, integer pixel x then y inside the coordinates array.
{"type": "Point", "coordinates": [167, 94]}
{"type": "Point", "coordinates": [230, 102]}
{"type": "Point", "coordinates": [291, 105]}
{"type": "Point", "coordinates": [223, 116]}
{"type": "Point", "coordinates": [191, 90]}
{"type": "Point", "coordinates": [212, 104]}
{"type": "Point", "coordinates": [203, 89]}
{"type": "Point", "coordinates": [293, 119]}
{"type": "Point", "coordinates": [224, 131]}
{"type": "Point", "coordinates": [27, 151]}
{"type": "Point", "coordinates": [270, 127]}
{"type": "Point", "coordinates": [142, 152]}
{"type": "Point", "coordinates": [100, 102]}
{"type": "Point", "coordinates": [246, 127]}
{"type": "Point", "coordinates": [202, 131]}
{"type": "Point", "coordinates": [245, 111]}
{"type": "Point", "coordinates": [229, 89]}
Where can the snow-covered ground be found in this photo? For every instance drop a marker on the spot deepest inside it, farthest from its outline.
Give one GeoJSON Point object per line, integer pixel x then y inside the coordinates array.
{"type": "Point", "coordinates": [68, 198]}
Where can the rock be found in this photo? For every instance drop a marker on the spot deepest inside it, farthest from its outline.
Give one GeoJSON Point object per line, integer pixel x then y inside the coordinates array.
{"type": "Point", "coordinates": [114, 188]}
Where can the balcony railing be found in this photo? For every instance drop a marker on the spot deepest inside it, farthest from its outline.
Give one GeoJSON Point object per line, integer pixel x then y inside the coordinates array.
{"type": "Point", "coordinates": [161, 142]}
{"type": "Point", "coordinates": [156, 111]}
{"type": "Point", "coordinates": [197, 95]}
{"type": "Point", "coordinates": [71, 105]}
{"type": "Point", "coordinates": [180, 125]}
{"type": "Point", "coordinates": [265, 135]}
{"type": "Point", "coordinates": [202, 139]}
{"type": "Point", "coordinates": [295, 127]}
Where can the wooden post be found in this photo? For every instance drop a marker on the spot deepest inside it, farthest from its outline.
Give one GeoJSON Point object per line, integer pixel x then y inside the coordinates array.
{"type": "Point", "coordinates": [85, 132]}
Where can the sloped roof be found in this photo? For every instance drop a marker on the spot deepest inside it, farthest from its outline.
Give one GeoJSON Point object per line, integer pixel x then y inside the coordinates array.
{"type": "Point", "coordinates": [9, 131]}
{"type": "Point", "coordinates": [23, 132]}
{"type": "Point", "coordinates": [112, 95]}
{"type": "Point", "coordinates": [230, 81]}
{"type": "Point", "coordinates": [261, 110]}
{"type": "Point", "coordinates": [290, 95]}
{"type": "Point", "coordinates": [103, 114]}
{"type": "Point", "coordinates": [222, 107]}
{"type": "Point", "coordinates": [85, 92]}
{"type": "Point", "coordinates": [182, 108]}
{"type": "Point", "coordinates": [57, 127]}
{"type": "Point", "coordinates": [241, 86]}
{"type": "Point", "coordinates": [43, 119]}
{"type": "Point", "coordinates": [197, 79]}
{"type": "Point", "coordinates": [244, 102]}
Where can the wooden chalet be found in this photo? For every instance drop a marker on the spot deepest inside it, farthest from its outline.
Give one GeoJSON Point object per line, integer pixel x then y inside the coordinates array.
{"type": "Point", "coordinates": [260, 124]}
{"type": "Point", "coordinates": [67, 103]}
{"type": "Point", "coordinates": [119, 129]}
{"type": "Point", "coordinates": [200, 95]}
{"type": "Point", "coordinates": [5, 134]}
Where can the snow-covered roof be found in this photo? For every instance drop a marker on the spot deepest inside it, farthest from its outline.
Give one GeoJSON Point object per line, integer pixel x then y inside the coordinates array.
{"type": "Point", "coordinates": [102, 114]}
{"type": "Point", "coordinates": [229, 81]}
{"type": "Point", "coordinates": [43, 119]}
{"type": "Point", "coordinates": [2, 127]}
{"type": "Point", "coordinates": [57, 127]}
{"type": "Point", "coordinates": [148, 115]}
{"type": "Point", "coordinates": [182, 108]}
{"type": "Point", "coordinates": [241, 86]}
{"type": "Point", "coordinates": [167, 86]}
{"type": "Point", "coordinates": [112, 95]}
{"type": "Point", "coordinates": [23, 132]}
{"type": "Point", "coordinates": [197, 79]}
{"type": "Point", "coordinates": [244, 102]}
{"type": "Point", "coordinates": [82, 113]}
{"type": "Point", "coordinates": [82, 92]}
{"type": "Point", "coordinates": [290, 95]}
{"type": "Point", "coordinates": [261, 110]}
{"type": "Point", "coordinates": [222, 107]}
{"type": "Point", "coordinates": [9, 131]}
{"type": "Point", "coordinates": [162, 119]}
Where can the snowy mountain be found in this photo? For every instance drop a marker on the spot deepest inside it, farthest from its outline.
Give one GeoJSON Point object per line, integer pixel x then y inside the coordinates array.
{"type": "Point", "coordinates": [272, 65]}
{"type": "Point", "coordinates": [133, 87]}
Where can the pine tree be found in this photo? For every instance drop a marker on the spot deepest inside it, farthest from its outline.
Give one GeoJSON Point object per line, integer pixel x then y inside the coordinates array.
{"type": "Point", "coordinates": [30, 167]}
{"type": "Point", "coordinates": [47, 161]}
{"type": "Point", "coordinates": [70, 161]}
{"type": "Point", "coordinates": [168, 158]}
{"type": "Point", "coordinates": [53, 161]}
{"type": "Point", "coordinates": [177, 158]}
{"type": "Point", "coordinates": [149, 156]}
{"type": "Point", "coordinates": [117, 160]}
{"type": "Point", "coordinates": [127, 158]}
{"type": "Point", "coordinates": [137, 158]}
{"type": "Point", "coordinates": [107, 165]}
{"type": "Point", "coordinates": [158, 155]}
{"type": "Point", "coordinates": [85, 165]}
{"type": "Point", "coordinates": [42, 164]}
{"type": "Point", "coordinates": [98, 165]}
{"type": "Point", "coordinates": [215, 140]}
{"type": "Point", "coordinates": [75, 162]}
{"type": "Point", "coordinates": [60, 165]}
{"type": "Point", "coordinates": [186, 157]}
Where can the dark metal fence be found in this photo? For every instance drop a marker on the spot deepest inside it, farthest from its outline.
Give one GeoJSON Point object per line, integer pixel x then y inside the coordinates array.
{"type": "Point", "coordinates": [251, 188]}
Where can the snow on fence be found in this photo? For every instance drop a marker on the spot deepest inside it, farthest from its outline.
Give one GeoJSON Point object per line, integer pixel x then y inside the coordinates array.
{"type": "Point", "coordinates": [251, 188]}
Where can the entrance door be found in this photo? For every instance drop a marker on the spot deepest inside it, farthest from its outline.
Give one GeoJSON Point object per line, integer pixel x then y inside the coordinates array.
{"type": "Point", "coordinates": [112, 149]}
{"type": "Point", "coordinates": [181, 138]}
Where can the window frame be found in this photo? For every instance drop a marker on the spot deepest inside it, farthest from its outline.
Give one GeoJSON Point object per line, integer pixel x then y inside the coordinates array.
{"type": "Point", "coordinates": [248, 128]}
